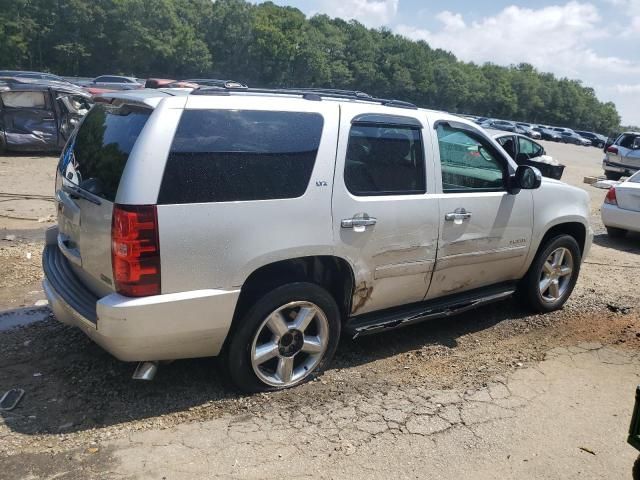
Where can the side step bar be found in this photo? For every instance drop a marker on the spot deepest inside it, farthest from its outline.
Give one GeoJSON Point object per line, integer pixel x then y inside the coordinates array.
{"type": "Point", "coordinates": [416, 313]}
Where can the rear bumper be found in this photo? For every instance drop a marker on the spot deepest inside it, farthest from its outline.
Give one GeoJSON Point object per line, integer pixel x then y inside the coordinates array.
{"type": "Point", "coordinates": [160, 327]}
{"type": "Point", "coordinates": [608, 166]}
{"type": "Point", "coordinates": [614, 216]}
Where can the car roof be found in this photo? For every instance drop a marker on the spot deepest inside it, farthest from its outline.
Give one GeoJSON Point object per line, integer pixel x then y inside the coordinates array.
{"type": "Point", "coordinates": [118, 76]}
{"type": "Point", "coordinates": [630, 133]}
{"type": "Point", "coordinates": [33, 84]}
{"type": "Point", "coordinates": [152, 97]}
{"type": "Point", "coordinates": [29, 72]}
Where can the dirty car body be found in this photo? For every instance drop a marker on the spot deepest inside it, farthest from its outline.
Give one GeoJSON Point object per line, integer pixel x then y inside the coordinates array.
{"type": "Point", "coordinates": [259, 225]}
{"type": "Point", "coordinates": [39, 115]}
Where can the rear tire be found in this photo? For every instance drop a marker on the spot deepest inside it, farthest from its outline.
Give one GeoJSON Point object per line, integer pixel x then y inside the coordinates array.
{"type": "Point", "coordinates": [612, 175]}
{"type": "Point", "coordinates": [552, 275]}
{"type": "Point", "coordinates": [287, 337]}
{"type": "Point", "coordinates": [614, 232]}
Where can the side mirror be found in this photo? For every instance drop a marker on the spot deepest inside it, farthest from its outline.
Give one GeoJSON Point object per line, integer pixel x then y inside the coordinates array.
{"type": "Point", "coordinates": [525, 178]}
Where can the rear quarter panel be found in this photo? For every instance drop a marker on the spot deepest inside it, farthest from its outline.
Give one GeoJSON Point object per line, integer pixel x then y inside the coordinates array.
{"type": "Point", "coordinates": [218, 245]}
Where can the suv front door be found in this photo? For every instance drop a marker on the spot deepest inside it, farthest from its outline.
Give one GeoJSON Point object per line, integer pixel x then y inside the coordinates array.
{"type": "Point", "coordinates": [485, 232]}
{"type": "Point", "coordinates": [385, 215]}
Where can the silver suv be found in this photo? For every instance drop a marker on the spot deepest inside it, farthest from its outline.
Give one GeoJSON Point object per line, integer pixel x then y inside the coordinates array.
{"type": "Point", "coordinates": [261, 225]}
{"type": "Point", "coordinates": [622, 157]}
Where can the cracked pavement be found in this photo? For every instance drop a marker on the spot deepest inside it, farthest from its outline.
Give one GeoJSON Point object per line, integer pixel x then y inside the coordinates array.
{"type": "Point", "coordinates": [564, 417]}
{"type": "Point", "coordinates": [492, 394]}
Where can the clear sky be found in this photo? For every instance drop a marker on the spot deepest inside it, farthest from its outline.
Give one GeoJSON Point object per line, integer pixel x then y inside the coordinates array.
{"type": "Point", "coordinates": [595, 41]}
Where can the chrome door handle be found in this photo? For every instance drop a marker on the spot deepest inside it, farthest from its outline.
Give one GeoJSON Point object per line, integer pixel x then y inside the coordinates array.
{"type": "Point", "coordinates": [359, 222]}
{"type": "Point", "coordinates": [458, 215]}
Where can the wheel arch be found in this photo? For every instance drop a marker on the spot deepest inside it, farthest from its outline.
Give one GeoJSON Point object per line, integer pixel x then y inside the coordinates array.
{"type": "Point", "coordinates": [333, 273]}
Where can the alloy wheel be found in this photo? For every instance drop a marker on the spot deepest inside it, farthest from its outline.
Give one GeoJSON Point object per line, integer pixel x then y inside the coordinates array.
{"type": "Point", "coordinates": [555, 276]}
{"type": "Point", "coordinates": [289, 344]}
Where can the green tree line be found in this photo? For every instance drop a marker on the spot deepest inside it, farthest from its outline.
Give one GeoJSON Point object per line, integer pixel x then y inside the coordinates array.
{"type": "Point", "coordinates": [272, 46]}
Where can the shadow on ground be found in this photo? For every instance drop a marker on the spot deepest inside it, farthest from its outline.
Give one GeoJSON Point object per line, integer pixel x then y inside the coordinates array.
{"type": "Point", "coordinates": [629, 243]}
{"type": "Point", "coordinates": [71, 384]}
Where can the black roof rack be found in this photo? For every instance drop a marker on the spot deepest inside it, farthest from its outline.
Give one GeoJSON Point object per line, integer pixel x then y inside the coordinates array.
{"type": "Point", "coordinates": [314, 94]}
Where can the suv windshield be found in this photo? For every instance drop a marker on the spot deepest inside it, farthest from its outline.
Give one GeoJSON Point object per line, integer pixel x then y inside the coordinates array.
{"type": "Point", "coordinates": [95, 157]}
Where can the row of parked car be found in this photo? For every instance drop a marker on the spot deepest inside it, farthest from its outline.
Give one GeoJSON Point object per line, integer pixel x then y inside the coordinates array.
{"type": "Point", "coordinates": [38, 110]}
{"type": "Point", "coordinates": [543, 132]}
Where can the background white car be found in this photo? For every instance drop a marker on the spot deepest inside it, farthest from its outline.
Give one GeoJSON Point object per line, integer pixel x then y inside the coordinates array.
{"type": "Point", "coordinates": [621, 208]}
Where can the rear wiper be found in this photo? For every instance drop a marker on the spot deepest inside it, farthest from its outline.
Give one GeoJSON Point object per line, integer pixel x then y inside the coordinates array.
{"type": "Point", "coordinates": [78, 192]}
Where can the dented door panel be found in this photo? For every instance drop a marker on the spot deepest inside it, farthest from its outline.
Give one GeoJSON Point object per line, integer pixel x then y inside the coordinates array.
{"type": "Point", "coordinates": [491, 247]}
{"type": "Point", "coordinates": [392, 259]}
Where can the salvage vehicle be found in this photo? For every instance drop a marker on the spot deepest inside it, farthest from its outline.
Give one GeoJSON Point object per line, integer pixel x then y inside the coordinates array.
{"type": "Point", "coordinates": [39, 115]}
{"type": "Point", "coordinates": [622, 157]}
{"type": "Point", "coordinates": [527, 152]}
{"type": "Point", "coordinates": [260, 225]}
{"type": "Point", "coordinates": [621, 208]}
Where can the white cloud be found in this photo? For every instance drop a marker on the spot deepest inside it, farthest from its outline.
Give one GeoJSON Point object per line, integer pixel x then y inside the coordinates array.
{"type": "Point", "coordinates": [557, 39]}
{"type": "Point", "coordinates": [625, 88]}
{"type": "Point", "coordinates": [451, 21]}
{"type": "Point", "coordinates": [372, 13]}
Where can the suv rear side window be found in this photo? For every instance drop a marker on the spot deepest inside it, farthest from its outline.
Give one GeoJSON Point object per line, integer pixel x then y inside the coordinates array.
{"type": "Point", "coordinates": [234, 155]}
{"type": "Point", "coordinates": [95, 158]}
{"type": "Point", "coordinates": [384, 160]}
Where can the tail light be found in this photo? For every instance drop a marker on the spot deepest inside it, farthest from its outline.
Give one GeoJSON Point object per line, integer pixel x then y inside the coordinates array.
{"type": "Point", "coordinates": [135, 250]}
{"type": "Point", "coordinates": [612, 149]}
{"type": "Point", "coordinates": [611, 197]}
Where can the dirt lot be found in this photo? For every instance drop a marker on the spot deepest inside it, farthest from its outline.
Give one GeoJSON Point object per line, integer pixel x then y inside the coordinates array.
{"type": "Point", "coordinates": [496, 393]}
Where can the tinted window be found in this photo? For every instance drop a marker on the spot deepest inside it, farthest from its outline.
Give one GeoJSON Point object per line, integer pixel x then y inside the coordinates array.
{"type": "Point", "coordinates": [231, 155]}
{"type": "Point", "coordinates": [627, 141]}
{"type": "Point", "coordinates": [468, 162]}
{"type": "Point", "coordinates": [95, 158]}
{"type": "Point", "coordinates": [384, 160]}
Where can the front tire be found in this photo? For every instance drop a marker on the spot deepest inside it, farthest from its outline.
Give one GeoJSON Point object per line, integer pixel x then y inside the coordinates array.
{"type": "Point", "coordinates": [613, 175]}
{"type": "Point", "coordinates": [287, 337]}
{"type": "Point", "coordinates": [552, 275]}
{"type": "Point", "coordinates": [614, 232]}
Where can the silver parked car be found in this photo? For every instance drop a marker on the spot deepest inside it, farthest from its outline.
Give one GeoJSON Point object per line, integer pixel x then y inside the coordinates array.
{"type": "Point", "coordinates": [621, 208]}
{"type": "Point", "coordinates": [261, 225]}
{"type": "Point", "coordinates": [622, 157]}
{"type": "Point", "coordinates": [115, 82]}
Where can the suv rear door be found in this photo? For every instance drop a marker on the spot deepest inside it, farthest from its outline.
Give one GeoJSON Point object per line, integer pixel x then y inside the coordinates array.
{"type": "Point", "coordinates": [485, 232]}
{"type": "Point", "coordinates": [385, 216]}
{"type": "Point", "coordinates": [87, 181]}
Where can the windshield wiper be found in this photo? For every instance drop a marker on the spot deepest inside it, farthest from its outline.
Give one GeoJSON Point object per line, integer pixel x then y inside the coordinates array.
{"type": "Point", "coordinates": [78, 192]}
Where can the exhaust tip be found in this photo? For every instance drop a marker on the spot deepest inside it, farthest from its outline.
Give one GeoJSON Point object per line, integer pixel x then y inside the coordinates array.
{"type": "Point", "coordinates": [145, 371]}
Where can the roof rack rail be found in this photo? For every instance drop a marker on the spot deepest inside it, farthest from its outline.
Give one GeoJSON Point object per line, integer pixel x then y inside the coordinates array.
{"type": "Point", "coordinates": [314, 94]}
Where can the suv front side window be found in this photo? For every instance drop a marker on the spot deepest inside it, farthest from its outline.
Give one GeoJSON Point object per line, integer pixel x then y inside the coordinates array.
{"type": "Point", "coordinates": [385, 160]}
{"type": "Point", "coordinates": [468, 162]}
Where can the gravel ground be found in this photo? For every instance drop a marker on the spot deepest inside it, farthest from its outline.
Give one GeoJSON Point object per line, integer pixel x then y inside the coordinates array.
{"type": "Point", "coordinates": [78, 397]}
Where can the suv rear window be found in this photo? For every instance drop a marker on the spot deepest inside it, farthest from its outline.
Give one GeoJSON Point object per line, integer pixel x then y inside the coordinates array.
{"type": "Point", "coordinates": [95, 158]}
{"type": "Point", "coordinates": [233, 155]}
